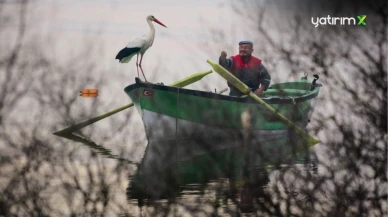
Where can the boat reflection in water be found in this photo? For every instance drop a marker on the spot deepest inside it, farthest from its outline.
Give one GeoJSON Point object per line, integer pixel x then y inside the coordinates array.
{"type": "Point", "coordinates": [172, 170]}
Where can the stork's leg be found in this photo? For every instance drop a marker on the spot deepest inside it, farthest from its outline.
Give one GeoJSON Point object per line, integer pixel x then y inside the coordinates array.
{"type": "Point", "coordinates": [141, 58]}
{"type": "Point", "coordinates": [137, 64]}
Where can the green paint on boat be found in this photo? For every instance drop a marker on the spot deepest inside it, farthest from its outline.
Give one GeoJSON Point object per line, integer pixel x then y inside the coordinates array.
{"type": "Point", "coordinates": [291, 99]}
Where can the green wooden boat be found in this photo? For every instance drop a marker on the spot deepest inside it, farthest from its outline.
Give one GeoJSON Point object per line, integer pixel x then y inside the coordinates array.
{"type": "Point", "coordinates": [215, 121]}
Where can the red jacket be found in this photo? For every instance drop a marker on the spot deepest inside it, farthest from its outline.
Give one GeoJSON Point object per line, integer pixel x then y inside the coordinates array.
{"type": "Point", "coordinates": [238, 63]}
{"type": "Point", "coordinates": [252, 73]}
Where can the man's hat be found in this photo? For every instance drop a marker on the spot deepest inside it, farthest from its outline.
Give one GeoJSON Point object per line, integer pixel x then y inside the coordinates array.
{"type": "Point", "coordinates": [245, 42]}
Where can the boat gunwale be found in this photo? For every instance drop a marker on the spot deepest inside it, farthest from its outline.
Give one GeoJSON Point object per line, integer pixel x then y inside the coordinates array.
{"type": "Point", "coordinates": [212, 95]}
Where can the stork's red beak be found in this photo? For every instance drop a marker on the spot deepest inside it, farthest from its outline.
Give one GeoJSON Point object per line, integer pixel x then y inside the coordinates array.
{"type": "Point", "coordinates": [160, 23]}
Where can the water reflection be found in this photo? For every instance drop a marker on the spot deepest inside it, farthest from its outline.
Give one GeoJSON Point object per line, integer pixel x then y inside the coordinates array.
{"type": "Point", "coordinates": [238, 174]}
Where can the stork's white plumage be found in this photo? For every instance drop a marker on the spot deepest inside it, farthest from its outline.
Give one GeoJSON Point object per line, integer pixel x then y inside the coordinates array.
{"type": "Point", "coordinates": [139, 46]}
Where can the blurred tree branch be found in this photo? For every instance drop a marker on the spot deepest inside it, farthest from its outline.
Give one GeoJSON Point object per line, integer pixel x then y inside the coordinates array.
{"type": "Point", "coordinates": [41, 175]}
{"type": "Point", "coordinates": [351, 115]}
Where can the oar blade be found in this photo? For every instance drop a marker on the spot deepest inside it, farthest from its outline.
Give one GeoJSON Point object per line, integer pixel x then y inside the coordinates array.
{"type": "Point", "coordinates": [191, 79]}
{"type": "Point", "coordinates": [83, 124]}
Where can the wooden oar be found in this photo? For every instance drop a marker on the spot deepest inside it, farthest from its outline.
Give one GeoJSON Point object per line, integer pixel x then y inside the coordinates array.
{"type": "Point", "coordinates": [244, 88]}
{"type": "Point", "coordinates": [181, 83]}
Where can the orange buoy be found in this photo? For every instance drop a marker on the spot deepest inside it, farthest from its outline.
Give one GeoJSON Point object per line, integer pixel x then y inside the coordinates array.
{"type": "Point", "coordinates": [89, 91]}
{"type": "Point", "coordinates": [88, 94]}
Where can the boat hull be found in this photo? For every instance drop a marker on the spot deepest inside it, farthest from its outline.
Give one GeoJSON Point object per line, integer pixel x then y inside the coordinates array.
{"type": "Point", "coordinates": [164, 128]}
{"type": "Point", "coordinates": [171, 113]}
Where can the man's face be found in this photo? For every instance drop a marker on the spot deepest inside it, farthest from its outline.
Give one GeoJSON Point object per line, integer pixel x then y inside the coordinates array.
{"type": "Point", "coordinates": [245, 49]}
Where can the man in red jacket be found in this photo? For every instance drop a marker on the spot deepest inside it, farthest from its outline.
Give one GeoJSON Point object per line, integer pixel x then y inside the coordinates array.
{"type": "Point", "coordinates": [247, 68]}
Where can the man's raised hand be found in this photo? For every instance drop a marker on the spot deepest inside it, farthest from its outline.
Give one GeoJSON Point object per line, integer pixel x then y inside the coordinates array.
{"type": "Point", "coordinates": [223, 55]}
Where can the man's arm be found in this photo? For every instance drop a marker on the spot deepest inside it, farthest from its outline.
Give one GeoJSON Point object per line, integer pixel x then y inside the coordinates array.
{"type": "Point", "coordinates": [227, 63]}
{"type": "Point", "coordinates": [265, 80]}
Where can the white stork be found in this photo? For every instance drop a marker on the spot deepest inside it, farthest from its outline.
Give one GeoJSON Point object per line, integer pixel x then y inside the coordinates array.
{"type": "Point", "coordinates": [139, 46]}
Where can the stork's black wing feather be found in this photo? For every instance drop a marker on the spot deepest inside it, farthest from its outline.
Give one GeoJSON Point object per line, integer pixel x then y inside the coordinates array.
{"type": "Point", "coordinates": [127, 51]}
